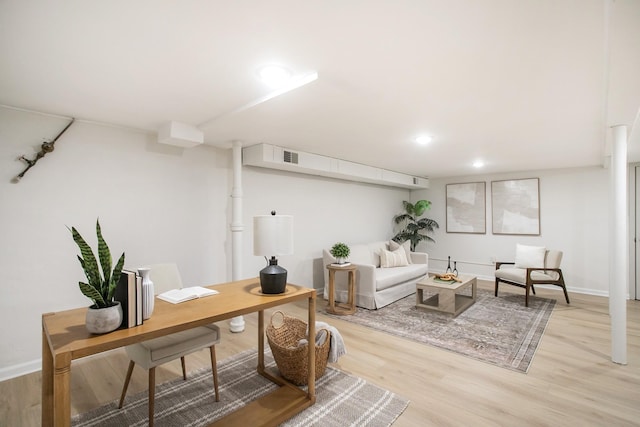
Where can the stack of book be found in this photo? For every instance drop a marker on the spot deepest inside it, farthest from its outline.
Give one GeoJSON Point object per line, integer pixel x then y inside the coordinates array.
{"type": "Point", "coordinates": [129, 293]}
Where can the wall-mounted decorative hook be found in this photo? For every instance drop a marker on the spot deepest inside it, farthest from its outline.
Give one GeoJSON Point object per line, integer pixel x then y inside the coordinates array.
{"type": "Point", "coordinates": [47, 147]}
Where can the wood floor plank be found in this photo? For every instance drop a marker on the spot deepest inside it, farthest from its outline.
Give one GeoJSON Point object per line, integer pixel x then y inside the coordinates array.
{"type": "Point", "coordinates": [571, 381]}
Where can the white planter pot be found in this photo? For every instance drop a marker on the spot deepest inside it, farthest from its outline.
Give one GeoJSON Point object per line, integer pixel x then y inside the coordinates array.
{"type": "Point", "coordinates": [103, 320]}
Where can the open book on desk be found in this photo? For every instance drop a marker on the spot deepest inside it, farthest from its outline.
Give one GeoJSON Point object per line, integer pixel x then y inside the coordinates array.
{"type": "Point", "coordinates": [175, 296]}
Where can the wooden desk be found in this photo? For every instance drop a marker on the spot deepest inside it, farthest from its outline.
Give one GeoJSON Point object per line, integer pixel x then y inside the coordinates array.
{"type": "Point", "coordinates": [65, 338]}
{"type": "Point", "coordinates": [350, 306]}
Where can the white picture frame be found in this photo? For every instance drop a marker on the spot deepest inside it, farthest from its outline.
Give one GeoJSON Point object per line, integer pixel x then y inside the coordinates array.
{"type": "Point", "coordinates": [466, 208]}
{"type": "Point", "coordinates": [515, 206]}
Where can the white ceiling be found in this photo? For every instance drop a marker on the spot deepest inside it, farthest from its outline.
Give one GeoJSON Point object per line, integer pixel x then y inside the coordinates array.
{"type": "Point", "coordinates": [523, 85]}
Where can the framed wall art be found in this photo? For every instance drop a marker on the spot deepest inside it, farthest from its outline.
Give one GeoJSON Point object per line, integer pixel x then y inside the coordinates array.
{"type": "Point", "coordinates": [466, 208]}
{"type": "Point", "coordinates": [515, 206]}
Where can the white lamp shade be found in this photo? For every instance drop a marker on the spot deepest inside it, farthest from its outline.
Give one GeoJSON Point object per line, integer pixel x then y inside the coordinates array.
{"type": "Point", "coordinates": [272, 235]}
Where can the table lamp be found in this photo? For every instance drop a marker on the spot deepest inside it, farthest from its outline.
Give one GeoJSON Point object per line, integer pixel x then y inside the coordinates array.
{"type": "Point", "coordinates": [272, 236]}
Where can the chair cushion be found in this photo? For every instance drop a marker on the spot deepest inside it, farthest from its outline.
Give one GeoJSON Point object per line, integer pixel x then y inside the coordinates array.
{"type": "Point", "coordinates": [157, 351]}
{"type": "Point", "coordinates": [530, 256]}
{"type": "Point", "coordinates": [553, 259]}
{"type": "Point", "coordinates": [397, 258]}
{"type": "Point", "coordinates": [518, 275]}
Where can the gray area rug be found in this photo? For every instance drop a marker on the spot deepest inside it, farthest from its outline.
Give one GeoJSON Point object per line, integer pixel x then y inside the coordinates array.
{"type": "Point", "coordinates": [341, 399]}
{"type": "Point", "coordinates": [500, 331]}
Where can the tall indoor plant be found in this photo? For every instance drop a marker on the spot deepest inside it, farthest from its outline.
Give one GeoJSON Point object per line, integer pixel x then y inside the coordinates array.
{"type": "Point", "coordinates": [101, 285]}
{"type": "Point", "coordinates": [415, 229]}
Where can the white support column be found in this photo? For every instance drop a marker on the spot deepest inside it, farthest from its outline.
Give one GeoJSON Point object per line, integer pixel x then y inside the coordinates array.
{"type": "Point", "coordinates": [236, 324]}
{"type": "Point", "coordinates": [619, 256]}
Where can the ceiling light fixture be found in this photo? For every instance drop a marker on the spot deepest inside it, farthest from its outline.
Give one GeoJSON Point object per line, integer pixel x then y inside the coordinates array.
{"type": "Point", "coordinates": [293, 83]}
{"type": "Point", "coordinates": [423, 139]}
{"type": "Point", "coordinates": [274, 76]}
{"type": "Point", "coordinates": [478, 164]}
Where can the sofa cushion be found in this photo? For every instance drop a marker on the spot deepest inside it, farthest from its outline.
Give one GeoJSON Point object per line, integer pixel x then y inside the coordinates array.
{"type": "Point", "coordinates": [397, 258]}
{"type": "Point", "coordinates": [388, 277]}
{"type": "Point", "coordinates": [393, 245]}
{"type": "Point", "coordinates": [530, 256]}
{"type": "Point", "coordinates": [376, 248]}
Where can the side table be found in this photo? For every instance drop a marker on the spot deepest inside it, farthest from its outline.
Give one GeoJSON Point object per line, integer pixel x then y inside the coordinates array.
{"type": "Point", "coordinates": [342, 308]}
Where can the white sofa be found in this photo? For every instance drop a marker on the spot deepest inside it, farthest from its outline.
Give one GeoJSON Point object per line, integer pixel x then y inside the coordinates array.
{"type": "Point", "coordinates": [376, 286]}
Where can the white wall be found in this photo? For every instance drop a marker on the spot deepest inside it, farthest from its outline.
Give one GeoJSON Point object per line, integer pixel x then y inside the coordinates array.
{"type": "Point", "coordinates": [156, 203]}
{"type": "Point", "coordinates": [573, 218]}
{"type": "Point", "coordinates": [325, 211]}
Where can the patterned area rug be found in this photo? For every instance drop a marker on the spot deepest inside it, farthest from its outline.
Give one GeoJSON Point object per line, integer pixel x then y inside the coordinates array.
{"type": "Point", "coordinates": [500, 331]}
{"type": "Point", "coordinates": [341, 399]}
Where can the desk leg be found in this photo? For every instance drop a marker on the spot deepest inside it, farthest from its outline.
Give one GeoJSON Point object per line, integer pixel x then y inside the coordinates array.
{"type": "Point", "coordinates": [47, 382]}
{"type": "Point", "coordinates": [261, 341]}
{"type": "Point", "coordinates": [311, 390]}
{"type": "Point", "coordinates": [62, 390]}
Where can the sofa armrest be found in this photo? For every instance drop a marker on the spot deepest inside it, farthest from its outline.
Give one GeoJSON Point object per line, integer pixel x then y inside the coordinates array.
{"type": "Point", "coordinates": [419, 257]}
{"type": "Point", "coordinates": [366, 279]}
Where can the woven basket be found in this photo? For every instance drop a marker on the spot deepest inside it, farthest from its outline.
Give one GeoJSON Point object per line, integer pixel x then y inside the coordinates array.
{"type": "Point", "coordinates": [292, 359]}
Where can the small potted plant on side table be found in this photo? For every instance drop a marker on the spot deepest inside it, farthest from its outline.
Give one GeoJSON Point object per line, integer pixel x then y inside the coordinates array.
{"type": "Point", "coordinates": [340, 252]}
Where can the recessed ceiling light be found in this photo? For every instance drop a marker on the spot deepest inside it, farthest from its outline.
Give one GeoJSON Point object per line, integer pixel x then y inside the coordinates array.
{"type": "Point", "coordinates": [478, 164]}
{"type": "Point", "coordinates": [274, 75]}
{"type": "Point", "coordinates": [423, 139]}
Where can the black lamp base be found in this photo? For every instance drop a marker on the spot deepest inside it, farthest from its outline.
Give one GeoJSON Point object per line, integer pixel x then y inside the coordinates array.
{"type": "Point", "coordinates": [273, 278]}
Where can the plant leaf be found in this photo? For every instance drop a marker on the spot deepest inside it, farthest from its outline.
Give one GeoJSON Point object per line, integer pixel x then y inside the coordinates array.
{"type": "Point", "coordinates": [105, 262]}
{"type": "Point", "coordinates": [89, 263]}
{"type": "Point", "coordinates": [115, 278]}
{"type": "Point", "coordinates": [421, 206]}
{"type": "Point", "coordinates": [408, 207]}
{"type": "Point", "coordinates": [91, 292]}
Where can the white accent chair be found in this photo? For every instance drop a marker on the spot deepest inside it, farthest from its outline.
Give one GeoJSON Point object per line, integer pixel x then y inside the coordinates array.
{"type": "Point", "coordinates": [534, 265]}
{"type": "Point", "coordinates": [158, 351]}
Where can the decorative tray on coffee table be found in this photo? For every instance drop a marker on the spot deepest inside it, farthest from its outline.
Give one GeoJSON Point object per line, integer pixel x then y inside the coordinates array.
{"type": "Point", "coordinates": [447, 278]}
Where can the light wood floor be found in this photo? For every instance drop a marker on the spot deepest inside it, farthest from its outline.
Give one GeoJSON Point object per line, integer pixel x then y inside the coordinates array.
{"type": "Point", "coordinates": [571, 382]}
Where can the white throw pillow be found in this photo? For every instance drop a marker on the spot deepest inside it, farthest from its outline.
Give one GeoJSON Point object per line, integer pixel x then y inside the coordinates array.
{"type": "Point", "coordinates": [396, 258]}
{"type": "Point", "coordinates": [530, 256]}
{"type": "Point", "coordinates": [406, 246]}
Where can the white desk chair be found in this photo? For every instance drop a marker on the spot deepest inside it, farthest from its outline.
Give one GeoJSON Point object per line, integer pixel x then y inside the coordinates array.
{"type": "Point", "coordinates": [158, 351]}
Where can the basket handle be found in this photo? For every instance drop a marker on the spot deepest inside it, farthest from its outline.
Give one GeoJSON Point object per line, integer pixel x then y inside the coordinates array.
{"type": "Point", "coordinates": [327, 334]}
{"type": "Point", "coordinates": [281, 321]}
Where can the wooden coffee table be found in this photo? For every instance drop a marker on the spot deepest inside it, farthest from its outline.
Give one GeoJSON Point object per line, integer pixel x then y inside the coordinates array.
{"type": "Point", "coordinates": [447, 296]}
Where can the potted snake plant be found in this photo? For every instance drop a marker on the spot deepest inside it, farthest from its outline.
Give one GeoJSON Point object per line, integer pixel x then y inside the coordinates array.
{"type": "Point", "coordinates": [105, 315]}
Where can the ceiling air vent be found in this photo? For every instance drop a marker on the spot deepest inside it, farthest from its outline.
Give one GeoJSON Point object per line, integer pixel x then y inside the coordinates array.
{"type": "Point", "coordinates": [290, 157]}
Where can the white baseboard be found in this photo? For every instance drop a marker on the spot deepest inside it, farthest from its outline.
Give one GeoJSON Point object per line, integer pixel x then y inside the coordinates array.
{"type": "Point", "coordinates": [20, 369]}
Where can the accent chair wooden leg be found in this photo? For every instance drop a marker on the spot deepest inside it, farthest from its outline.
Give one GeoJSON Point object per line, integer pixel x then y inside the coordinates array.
{"type": "Point", "coordinates": [152, 394]}
{"type": "Point", "coordinates": [496, 291]}
{"type": "Point", "coordinates": [564, 288]}
{"type": "Point", "coordinates": [126, 383]}
{"type": "Point", "coordinates": [184, 368]}
{"type": "Point", "coordinates": [214, 370]}
{"type": "Point", "coordinates": [526, 296]}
